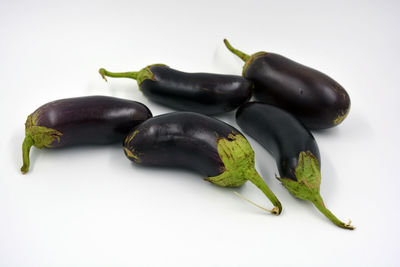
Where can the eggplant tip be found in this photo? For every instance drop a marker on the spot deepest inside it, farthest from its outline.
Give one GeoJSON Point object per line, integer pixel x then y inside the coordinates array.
{"type": "Point", "coordinates": [349, 226]}
{"type": "Point", "coordinates": [102, 72]}
{"type": "Point", "coordinates": [275, 210]}
{"type": "Point", "coordinates": [341, 116]}
{"type": "Point", "coordinates": [24, 169]}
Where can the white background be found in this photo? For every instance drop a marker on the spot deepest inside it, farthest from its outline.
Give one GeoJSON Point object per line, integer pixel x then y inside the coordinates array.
{"type": "Point", "coordinates": [90, 206]}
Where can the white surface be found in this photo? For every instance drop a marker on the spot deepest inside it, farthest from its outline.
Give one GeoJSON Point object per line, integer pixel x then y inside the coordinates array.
{"type": "Point", "coordinates": [92, 207]}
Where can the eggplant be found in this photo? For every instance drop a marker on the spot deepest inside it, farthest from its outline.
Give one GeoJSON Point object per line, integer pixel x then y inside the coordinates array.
{"type": "Point", "coordinates": [317, 100]}
{"type": "Point", "coordinates": [199, 143]}
{"type": "Point", "coordinates": [96, 120]}
{"type": "Point", "coordinates": [294, 149]}
{"type": "Point", "coordinates": [204, 93]}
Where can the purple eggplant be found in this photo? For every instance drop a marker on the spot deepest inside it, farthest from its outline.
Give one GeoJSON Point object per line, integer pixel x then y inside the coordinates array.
{"type": "Point", "coordinates": [204, 93]}
{"type": "Point", "coordinates": [200, 143]}
{"type": "Point", "coordinates": [317, 100]}
{"type": "Point", "coordinates": [294, 149]}
{"type": "Point", "coordinates": [83, 120]}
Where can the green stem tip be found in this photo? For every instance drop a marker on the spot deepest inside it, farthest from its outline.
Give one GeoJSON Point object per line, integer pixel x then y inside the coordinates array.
{"type": "Point", "coordinates": [307, 186]}
{"type": "Point", "coordinates": [319, 204]}
{"type": "Point", "coordinates": [239, 53]}
{"type": "Point", "coordinates": [26, 148]}
{"type": "Point", "coordinates": [103, 73]}
{"type": "Point", "coordinates": [132, 74]}
{"type": "Point", "coordinates": [257, 180]}
{"type": "Point", "coordinates": [274, 210]}
{"type": "Point", "coordinates": [38, 136]}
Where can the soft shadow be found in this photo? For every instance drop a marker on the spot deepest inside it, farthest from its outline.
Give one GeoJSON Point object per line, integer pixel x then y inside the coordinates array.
{"type": "Point", "coordinates": [356, 126]}
{"type": "Point", "coordinates": [227, 117]}
{"type": "Point", "coordinates": [329, 178]}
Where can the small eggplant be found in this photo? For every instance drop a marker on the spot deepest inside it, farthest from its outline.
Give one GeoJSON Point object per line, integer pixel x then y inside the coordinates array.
{"type": "Point", "coordinates": [293, 147]}
{"type": "Point", "coordinates": [313, 97]}
{"type": "Point", "coordinates": [199, 143]}
{"type": "Point", "coordinates": [81, 120]}
{"type": "Point", "coordinates": [204, 93]}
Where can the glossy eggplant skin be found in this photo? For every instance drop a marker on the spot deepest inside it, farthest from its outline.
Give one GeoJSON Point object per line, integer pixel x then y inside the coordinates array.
{"type": "Point", "coordinates": [180, 139]}
{"type": "Point", "coordinates": [313, 97]}
{"type": "Point", "coordinates": [92, 119]}
{"type": "Point", "coordinates": [294, 149]}
{"type": "Point", "coordinates": [205, 93]}
{"type": "Point", "coordinates": [199, 143]}
{"type": "Point", "coordinates": [81, 120]}
{"type": "Point", "coordinates": [279, 132]}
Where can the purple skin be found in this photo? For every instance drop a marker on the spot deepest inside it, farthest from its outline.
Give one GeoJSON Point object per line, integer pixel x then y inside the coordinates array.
{"type": "Point", "coordinates": [180, 139]}
{"type": "Point", "coordinates": [294, 149]}
{"type": "Point", "coordinates": [200, 143]}
{"type": "Point", "coordinates": [205, 93]}
{"type": "Point", "coordinates": [96, 120]}
{"type": "Point", "coordinates": [314, 98]}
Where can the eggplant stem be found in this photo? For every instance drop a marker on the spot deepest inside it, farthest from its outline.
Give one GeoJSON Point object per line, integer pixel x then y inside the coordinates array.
{"type": "Point", "coordinates": [319, 204]}
{"type": "Point", "coordinates": [26, 147]}
{"type": "Point", "coordinates": [256, 179]}
{"type": "Point", "coordinates": [131, 74]}
{"type": "Point", "coordinates": [255, 204]}
{"type": "Point", "coordinates": [239, 53]}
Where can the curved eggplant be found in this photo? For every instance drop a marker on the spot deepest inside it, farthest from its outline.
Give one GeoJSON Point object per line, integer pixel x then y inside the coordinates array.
{"type": "Point", "coordinates": [313, 97]}
{"type": "Point", "coordinates": [199, 143]}
{"type": "Point", "coordinates": [204, 93]}
{"type": "Point", "coordinates": [293, 147]}
{"type": "Point", "coordinates": [81, 120]}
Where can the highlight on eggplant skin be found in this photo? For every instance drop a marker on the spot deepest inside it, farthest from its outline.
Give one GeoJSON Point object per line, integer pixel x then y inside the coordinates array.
{"type": "Point", "coordinates": [294, 149]}
{"type": "Point", "coordinates": [200, 143]}
{"type": "Point", "coordinates": [96, 120]}
{"type": "Point", "coordinates": [205, 93]}
{"type": "Point", "coordinates": [317, 100]}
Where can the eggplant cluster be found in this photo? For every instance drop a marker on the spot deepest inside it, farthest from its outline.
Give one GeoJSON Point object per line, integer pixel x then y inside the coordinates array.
{"type": "Point", "coordinates": [291, 100]}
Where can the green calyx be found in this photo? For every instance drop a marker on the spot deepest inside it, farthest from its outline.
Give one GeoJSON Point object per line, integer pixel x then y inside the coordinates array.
{"type": "Point", "coordinates": [307, 186]}
{"type": "Point", "coordinates": [308, 177]}
{"type": "Point", "coordinates": [139, 76]}
{"type": "Point", "coordinates": [251, 59]}
{"type": "Point", "coordinates": [245, 57]}
{"type": "Point", "coordinates": [238, 158]}
{"type": "Point", "coordinates": [37, 136]}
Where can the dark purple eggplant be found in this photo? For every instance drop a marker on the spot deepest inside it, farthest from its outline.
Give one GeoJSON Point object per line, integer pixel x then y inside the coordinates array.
{"type": "Point", "coordinates": [293, 147]}
{"type": "Point", "coordinates": [204, 93]}
{"type": "Point", "coordinates": [81, 120]}
{"type": "Point", "coordinates": [199, 143]}
{"type": "Point", "coordinates": [317, 100]}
